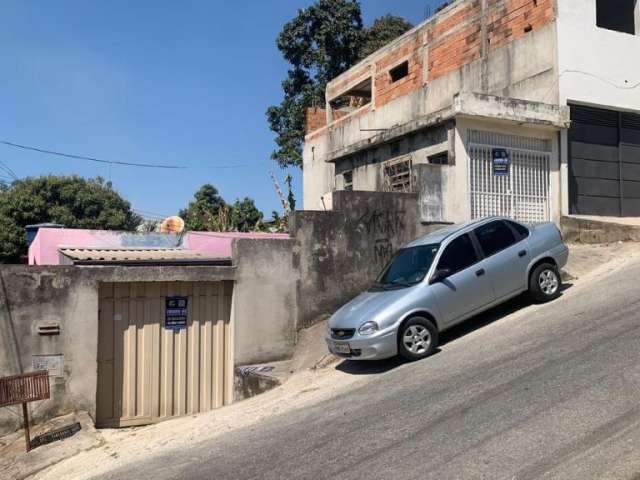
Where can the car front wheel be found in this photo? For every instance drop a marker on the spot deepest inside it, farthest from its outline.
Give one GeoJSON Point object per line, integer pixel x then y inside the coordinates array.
{"type": "Point", "coordinates": [417, 338]}
{"type": "Point", "coordinates": [545, 283]}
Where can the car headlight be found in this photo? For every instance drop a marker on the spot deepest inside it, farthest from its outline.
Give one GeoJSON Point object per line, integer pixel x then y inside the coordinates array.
{"type": "Point", "coordinates": [368, 328]}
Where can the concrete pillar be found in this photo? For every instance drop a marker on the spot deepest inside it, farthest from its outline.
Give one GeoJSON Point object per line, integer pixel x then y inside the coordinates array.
{"type": "Point", "coordinates": [564, 171]}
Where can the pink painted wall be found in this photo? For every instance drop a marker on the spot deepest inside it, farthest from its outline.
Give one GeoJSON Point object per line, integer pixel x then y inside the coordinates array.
{"type": "Point", "coordinates": [220, 242]}
{"type": "Point", "coordinates": [44, 248]}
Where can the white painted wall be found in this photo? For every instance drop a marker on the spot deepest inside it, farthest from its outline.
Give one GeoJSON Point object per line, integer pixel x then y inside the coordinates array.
{"type": "Point", "coordinates": [597, 66]}
{"type": "Point", "coordinates": [318, 176]}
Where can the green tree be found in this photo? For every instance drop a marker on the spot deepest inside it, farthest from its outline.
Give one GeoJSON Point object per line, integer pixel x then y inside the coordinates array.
{"type": "Point", "coordinates": [203, 212]}
{"type": "Point", "coordinates": [381, 32]}
{"type": "Point", "coordinates": [245, 216]}
{"type": "Point", "coordinates": [291, 199]}
{"type": "Point", "coordinates": [209, 212]}
{"type": "Point", "coordinates": [320, 43]}
{"type": "Point", "coordinates": [72, 201]}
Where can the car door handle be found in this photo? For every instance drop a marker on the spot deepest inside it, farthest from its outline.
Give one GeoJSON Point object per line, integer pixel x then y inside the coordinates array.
{"type": "Point", "coordinates": [522, 253]}
{"type": "Point", "coordinates": [480, 272]}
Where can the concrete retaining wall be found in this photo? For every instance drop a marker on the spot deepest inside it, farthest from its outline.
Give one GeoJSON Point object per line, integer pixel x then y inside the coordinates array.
{"type": "Point", "coordinates": [339, 253]}
{"type": "Point", "coordinates": [582, 230]}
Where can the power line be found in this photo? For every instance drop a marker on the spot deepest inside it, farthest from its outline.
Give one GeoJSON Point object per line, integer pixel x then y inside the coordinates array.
{"type": "Point", "coordinates": [150, 213]}
{"type": "Point", "coordinates": [91, 159]}
{"type": "Point", "coordinates": [148, 216]}
{"type": "Point", "coordinates": [8, 170]}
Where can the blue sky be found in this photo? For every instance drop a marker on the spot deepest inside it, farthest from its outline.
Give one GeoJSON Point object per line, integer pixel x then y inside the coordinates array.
{"type": "Point", "coordinates": [151, 82]}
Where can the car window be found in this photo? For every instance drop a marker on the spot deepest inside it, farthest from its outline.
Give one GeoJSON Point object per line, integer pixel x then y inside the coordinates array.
{"type": "Point", "coordinates": [494, 237]}
{"type": "Point", "coordinates": [458, 255]}
{"type": "Point", "coordinates": [523, 231]}
{"type": "Point", "coordinates": [409, 266]}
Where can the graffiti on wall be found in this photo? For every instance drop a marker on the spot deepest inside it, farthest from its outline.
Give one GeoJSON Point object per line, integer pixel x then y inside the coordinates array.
{"type": "Point", "coordinates": [385, 226]}
{"type": "Point", "coordinates": [382, 251]}
{"type": "Point", "coordinates": [382, 222]}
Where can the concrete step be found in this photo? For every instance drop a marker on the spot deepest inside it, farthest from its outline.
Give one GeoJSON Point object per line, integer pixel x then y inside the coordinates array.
{"type": "Point", "coordinates": [599, 230]}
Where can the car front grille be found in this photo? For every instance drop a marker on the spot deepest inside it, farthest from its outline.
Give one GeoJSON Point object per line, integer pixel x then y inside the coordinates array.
{"type": "Point", "coordinates": [342, 333]}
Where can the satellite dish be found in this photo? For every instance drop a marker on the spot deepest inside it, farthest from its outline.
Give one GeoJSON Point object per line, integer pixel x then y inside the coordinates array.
{"type": "Point", "coordinates": [172, 225]}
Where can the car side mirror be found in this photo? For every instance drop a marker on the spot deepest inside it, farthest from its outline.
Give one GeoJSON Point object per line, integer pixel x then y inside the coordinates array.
{"type": "Point", "coordinates": [439, 275]}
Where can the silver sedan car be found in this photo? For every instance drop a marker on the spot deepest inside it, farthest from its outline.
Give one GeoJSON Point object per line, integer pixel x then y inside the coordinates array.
{"type": "Point", "coordinates": [443, 279]}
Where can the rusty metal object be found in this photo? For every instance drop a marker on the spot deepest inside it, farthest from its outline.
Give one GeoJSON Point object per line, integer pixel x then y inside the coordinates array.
{"type": "Point", "coordinates": [23, 388]}
{"type": "Point", "coordinates": [56, 435]}
{"type": "Point", "coordinates": [28, 387]}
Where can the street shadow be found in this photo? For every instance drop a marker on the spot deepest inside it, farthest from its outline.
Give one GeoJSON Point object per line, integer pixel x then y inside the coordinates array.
{"type": "Point", "coordinates": [491, 316]}
{"type": "Point", "coordinates": [370, 367]}
{"type": "Point", "coordinates": [375, 367]}
{"type": "Point", "coordinates": [565, 286]}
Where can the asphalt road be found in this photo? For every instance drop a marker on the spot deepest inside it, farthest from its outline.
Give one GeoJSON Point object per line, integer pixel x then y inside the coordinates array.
{"type": "Point", "coordinates": [549, 391]}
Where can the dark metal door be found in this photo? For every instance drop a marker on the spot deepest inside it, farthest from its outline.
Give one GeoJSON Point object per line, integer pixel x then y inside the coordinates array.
{"type": "Point", "coordinates": [630, 164]}
{"type": "Point", "coordinates": [604, 162]}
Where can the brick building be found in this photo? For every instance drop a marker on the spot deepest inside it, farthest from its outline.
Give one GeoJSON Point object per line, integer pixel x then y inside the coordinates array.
{"type": "Point", "coordinates": [524, 108]}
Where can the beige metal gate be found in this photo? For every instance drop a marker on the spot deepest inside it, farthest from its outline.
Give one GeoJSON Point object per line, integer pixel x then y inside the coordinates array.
{"type": "Point", "coordinates": [523, 194]}
{"type": "Point", "coordinates": [146, 372]}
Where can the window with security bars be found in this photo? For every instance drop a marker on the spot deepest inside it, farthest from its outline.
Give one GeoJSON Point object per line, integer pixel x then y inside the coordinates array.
{"type": "Point", "coordinates": [348, 180]}
{"type": "Point", "coordinates": [398, 176]}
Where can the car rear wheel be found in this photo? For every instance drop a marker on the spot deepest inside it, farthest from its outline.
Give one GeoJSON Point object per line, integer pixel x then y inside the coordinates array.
{"type": "Point", "coordinates": [545, 283]}
{"type": "Point", "coordinates": [417, 338]}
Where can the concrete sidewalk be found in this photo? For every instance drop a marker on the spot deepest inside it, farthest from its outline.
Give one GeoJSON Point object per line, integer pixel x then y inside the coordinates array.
{"type": "Point", "coordinates": [17, 464]}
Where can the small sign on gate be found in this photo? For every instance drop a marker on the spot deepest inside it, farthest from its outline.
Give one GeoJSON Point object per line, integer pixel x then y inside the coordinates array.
{"type": "Point", "coordinates": [175, 313]}
{"type": "Point", "coordinates": [501, 161]}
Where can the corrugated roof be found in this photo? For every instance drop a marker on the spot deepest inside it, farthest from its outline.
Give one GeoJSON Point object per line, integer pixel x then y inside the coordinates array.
{"type": "Point", "coordinates": [101, 255]}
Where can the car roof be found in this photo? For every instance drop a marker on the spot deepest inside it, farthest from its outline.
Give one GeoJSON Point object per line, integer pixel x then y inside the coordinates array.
{"type": "Point", "coordinates": [442, 234]}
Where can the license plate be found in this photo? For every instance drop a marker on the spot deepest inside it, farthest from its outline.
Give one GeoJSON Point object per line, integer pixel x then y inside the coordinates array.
{"type": "Point", "coordinates": [341, 347]}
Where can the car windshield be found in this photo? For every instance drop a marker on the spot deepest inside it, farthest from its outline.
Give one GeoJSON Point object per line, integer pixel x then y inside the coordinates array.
{"type": "Point", "coordinates": [408, 267]}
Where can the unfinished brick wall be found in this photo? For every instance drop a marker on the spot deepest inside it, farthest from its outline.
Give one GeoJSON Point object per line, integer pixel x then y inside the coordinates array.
{"type": "Point", "coordinates": [455, 39]}
{"type": "Point", "coordinates": [315, 119]}
{"type": "Point", "coordinates": [512, 19]}
{"type": "Point", "coordinates": [410, 51]}
{"type": "Point", "coordinates": [448, 41]}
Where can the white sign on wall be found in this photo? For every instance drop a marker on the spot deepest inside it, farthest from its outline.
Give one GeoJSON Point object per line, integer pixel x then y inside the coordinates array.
{"type": "Point", "coordinates": [54, 364]}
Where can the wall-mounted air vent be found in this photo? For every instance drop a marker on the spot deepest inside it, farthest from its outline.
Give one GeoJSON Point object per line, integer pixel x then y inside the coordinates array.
{"type": "Point", "coordinates": [48, 329]}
